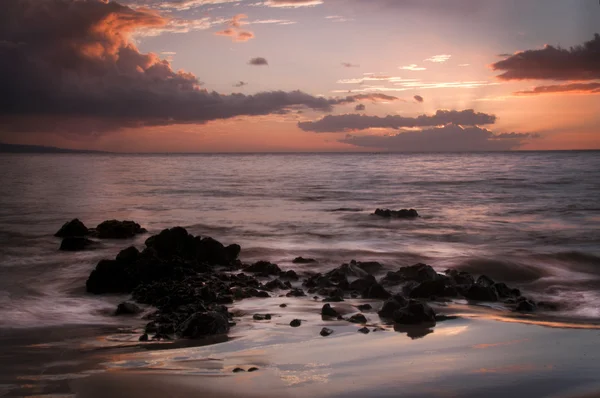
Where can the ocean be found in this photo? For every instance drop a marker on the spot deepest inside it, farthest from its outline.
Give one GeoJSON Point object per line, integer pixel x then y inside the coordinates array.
{"type": "Point", "coordinates": [531, 219]}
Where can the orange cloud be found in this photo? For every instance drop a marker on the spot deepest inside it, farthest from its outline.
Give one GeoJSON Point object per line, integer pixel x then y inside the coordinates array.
{"type": "Point", "coordinates": [572, 88]}
{"type": "Point", "coordinates": [234, 30]}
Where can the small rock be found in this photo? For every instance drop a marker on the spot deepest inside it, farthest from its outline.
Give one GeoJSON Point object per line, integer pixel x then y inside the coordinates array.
{"type": "Point", "coordinates": [144, 337]}
{"type": "Point", "coordinates": [364, 307]}
{"type": "Point", "coordinates": [326, 332]}
{"type": "Point", "coordinates": [253, 369]}
{"type": "Point", "coordinates": [403, 213]}
{"type": "Point", "coordinates": [283, 305]}
{"type": "Point", "coordinates": [333, 299]}
{"type": "Point", "coordinates": [238, 370]}
{"type": "Point", "coordinates": [203, 324]}
{"type": "Point", "coordinates": [302, 260]}
{"type": "Point", "coordinates": [127, 308]}
{"type": "Point", "coordinates": [72, 228]}
{"type": "Point", "coordinates": [327, 310]}
{"type": "Point", "coordinates": [358, 318]}
{"type": "Point", "coordinates": [364, 330]}
{"type": "Point", "coordinates": [259, 317]}
{"type": "Point", "coordinates": [295, 323]}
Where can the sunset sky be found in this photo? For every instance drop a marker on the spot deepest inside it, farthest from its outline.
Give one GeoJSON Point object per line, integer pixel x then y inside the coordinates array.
{"type": "Point", "coordinates": [300, 75]}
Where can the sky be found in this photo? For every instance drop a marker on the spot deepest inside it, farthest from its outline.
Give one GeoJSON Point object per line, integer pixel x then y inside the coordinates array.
{"type": "Point", "coordinates": [300, 75]}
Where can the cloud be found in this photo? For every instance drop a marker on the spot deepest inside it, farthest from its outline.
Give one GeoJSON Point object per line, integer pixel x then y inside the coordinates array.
{"type": "Point", "coordinates": [354, 122]}
{"type": "Point", "coordinates": [418, 98]}
{"type": "Point", "coordinates": [349, 65]}
{"type": "Point", "coordinates": [413, 67]}
{"type": "Point", "coordinates": [553, 63]}
{"type": "Point", "coordinates": [292, 3]}
{"type": "Point", "coordinates": [240, 84]}
{"type": "Point", "coordinates": [438, 58]}
{"type": "Point", "coordinates": [360, 107]}
{"type": "Point", "coordinates": [572, 88]}
{"type": "Point", "coordinates": [234, 31]}
{"type": "Point", "coordinates": [375, 97]}
{"type": "Point", "coordinates": [258, 61]}
{"type": "Point", "coordinates": [78, 72]}
{"type": "Point", "coordinates": [450, 138]}
{"type": "Point", "coordinates": [338, 18]}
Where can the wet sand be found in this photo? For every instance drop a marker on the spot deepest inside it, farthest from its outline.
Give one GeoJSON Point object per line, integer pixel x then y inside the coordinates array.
{"type": "Point", "coordinates": [480, 353]}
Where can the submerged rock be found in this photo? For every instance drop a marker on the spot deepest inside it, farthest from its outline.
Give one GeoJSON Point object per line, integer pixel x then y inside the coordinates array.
{"type": "Point", "coordinates": [203, 324]}
{"type": "Point", "coordinates": [415, 312]}
{"type": "Point", "coordinates": [127, 308]}
{"type": "Point", "coordinates": [114, 229]}
{"type": "Point", "coordinates": [72, 228]}
{"type": "Point", "coordinates": [403, 213]}
{"type": "Point", "coordinates": [326, 332]}
{"type": "Point", "coordinates": [364, 330]}
{"type": "Point", "coordinates": [75, 243]}
{"type": "Point", "coordinates": [253, 369]}
{"type": "Point", "coordinates": [302, 260]}
{"type": "Point", "coordinates": [238, 370]}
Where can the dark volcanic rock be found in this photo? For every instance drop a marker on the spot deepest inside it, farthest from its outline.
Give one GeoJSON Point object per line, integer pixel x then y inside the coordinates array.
{"type": "Point", "coordinates": [358, 318]}
{"type": "Point", "coordinates": [109, 276]}
{"type": "Point", "coordinates": [460, 277]}
{"type": "Point", "coordinates": [283, 305]}
{"type": "Point", "coordinates": [203, 324]}
{"type": "Point", "coordinates": [376, 291]}
{"type": "Point", "coordinates": [326, 332]}
{"type": "Point", "coordinates": [481, 293]}
{"type": "Point", "coordinates": [506, 292]}
{"type": "Point", "coordinates": [525, 305]}
{"type": "Point", "coordinates": [127, 308]}
{"type": "Point", "coordinates": [364, 307]}
{"type": "Point", "coordinates": [261, 317]}
{"type": "Point", "coordinates": [364, 330]}
{"type": "Point", "coordinates": [264, 268]}
{"type": "Point", "coordinates": [75, 243]}
{"type": "Point", "coordinates": [277, 284]}
{"type": "Point", "coordinates": [419, 273]}
{"type": "Point", "coordinates": [295, 323]}
{"type": "Point", "coordinates": [114, 229]}
{"type": "Point", "coordinates": [414, 313]}
{"type": "Point", "coordinates": [290, 274]}
{"type": "Point", "coordinates": [403, 213]}
{"type": "Point", "coordinates": [328, 311]}
{"type": "Point", "coordinates": [485, 281]}
{"type": "Point", "coordinates": [391, 305]}
{"type": "Point", "coordinates": [428, 289]}
{"type": "Point", "coordinates": [302, 260]}
{"type": "Point", "coordinates": [72, 228]}
{"type": "Point", "coordinates": [143, 337]}
{"type": "Point", "coordinates": [295, 293]}
{"type": "Point", "coordinates": [362, 284]}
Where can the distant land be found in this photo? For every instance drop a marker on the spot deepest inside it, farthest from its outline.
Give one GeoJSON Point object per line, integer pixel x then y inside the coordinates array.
{"type": "Point", "coordinates": [16, 148]}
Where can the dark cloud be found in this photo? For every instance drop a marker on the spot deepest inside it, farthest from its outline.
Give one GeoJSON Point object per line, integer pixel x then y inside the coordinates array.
{"type": "Point", "coordinates": [572, 88]}
{"type": "Point", "coordinates": [360, 107]}
{"type": "Point", "coordinates": [349, 65]}
{"type": "Point", "coordinates": [553, 63]}
{"type": "Point", "coordinates": [73, 69]}
{"type": "Point", "coordinates": [240, 84]}
{"type": "Point", "coordinates": [450, 138]}
{"type": "Point", "coordinates": [373, 97]}
{"type": "Point", "coordinates": [418, 98]}
{"type": "Point", "coordinates": [258, 61]}
{"type": "Point", "coordinates": [353, 122]}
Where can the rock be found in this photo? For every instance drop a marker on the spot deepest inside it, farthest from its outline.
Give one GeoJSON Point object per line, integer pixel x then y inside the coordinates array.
{"type": "Point", "coordinates": [333, 299]}
{"type": "Point", "coordinates": [419, 273]}
{"type": "Point", "coordinates": [277, 284]}
{"type": "Point", "coordinates": [485, 280]}
{"type": "Point", "coordinates": [143, 337]}
{"type": "Point", "coordinates": [295, 293]}
{"type": "Point", "coordinates": [482, 293]}
{"type": "Point", "coordinates": [328, 311]}
{"type": "Point", "coordinates": [232, 251]}
{"type": "Point", "coordinates": [302, 260]}
{"type": "Point", "coordinates": [506, 292]}
{"type": "Point", "coordinates": [460, 277]}
{"type": "Point", "coordinates": [428, 289]}
{"type": "Point", "coordinates": [72, 228]}
{"type": "Point", "coordinates": [203, 324]}
{"type": "Point", "coordinates": [128, 255]}
{"type": "Point", "coordinates": [283, 305]}
{"type": "Point", "coordinates": [414, 313]}
{"type": "Point", "coordinates": [391, 305]}
{"type": "Point", "coordinates": [259, 317]}
{"type": "Point", "coordinates": [264, 268]}
{"type": "Point", "coordinates": [127, 308]}
{"type": "Point", "coordinates": [114, 229]}
{"type": "Point", "coordinates": [326, 332]}
{"type": "Point", "coordinates": [238, 370]}
{"type": "Point", "coordinates": [525, 305]}
{"type": "Point", "coordinates": [364, 330]}
{"type": "Point", "coordinates": [109, 276]}
{"type": "Point", "coordinates": [358, 318]}
{"type": "Point", "coordinates": [290, 274]}
{"type": "Point", "coordinates": [376, 291]}
{"type": "Point", "coordinates": [75, 243]}
{"type": "Point", "coordinates": [295, 323]}
{"type": "Point", "coordinates": [403, 213]}
{"type": "Point", "coordinates": [362, 284]}
{"type": "Point", "coordinates": [364, 307]}
{"type": "Point", "coordinates": [253, 369]}
{"type": "Point", "coordinates": [370, 267]}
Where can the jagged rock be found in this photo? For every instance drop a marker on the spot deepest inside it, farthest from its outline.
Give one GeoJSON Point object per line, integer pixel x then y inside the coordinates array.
{"type": "Point", "coordinates": [391, 305]}
{"type": "Point", "coordinates": [358, 318]}
{"type": "Point", "coordinates": [277, 284]}
{"type": "Point", "coordinates": [376, 291]}
{"type": "Point", "coordinates": [264, 268]}
{"type": "Point", "coordinates": [482, 293]}
{"type": "Point", "coordinates": [363, 284]}
{"type": "Point", "coordinates": [75, 243]}
{"type": "Point", "coordinates": [460, 277]}
{"type": "Point", "coordinates": [506, 292]}
{"type": "Point", "coordinates": [72, 228]}
{"type": "Point", "coordinates": [525, 305]}
{"type": "Point", "coordinates": [403, 213]}
{"type": "Point", "coordinates": [290, 274]}
{"type": "Point", "coordinates": [485, 281]}
{"type": "Point", "coordinates": [413, 313]}
{"type": "Point", "coordinates": [295, 323]}
{"type": "Point", "coordinates": [364, 330]}
{"type": "Point", "coordinates": [428, 289]}
{"type": "Point", "coordinates": [127, 308]}
{"type": "Point", "coordinates": [114, 229]}
{"type": "Point", "coordinates": [370, 267]}
{"type": "Point", "coordinates": [302, 260]}
{"type": "Point", "coordinates": [419, 273]}
{"type": "Point", "coordinates": [203, 324]}
{"type": "Point", "coordinates": [328, 311]}
{"type": "Point", "coordinates": [326, 332]}
{"type": "Point", "coordinates": [295, 293]}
